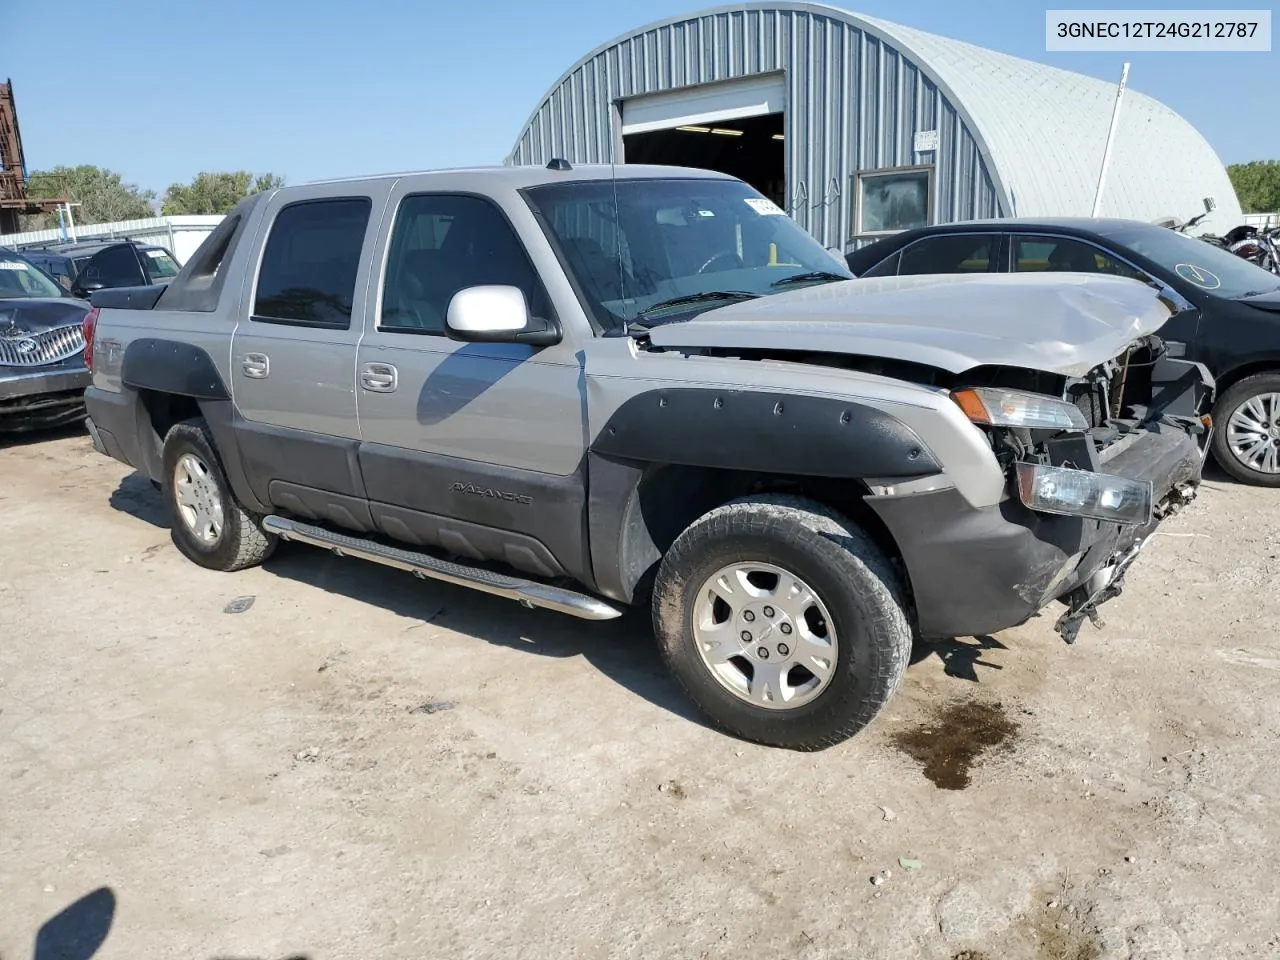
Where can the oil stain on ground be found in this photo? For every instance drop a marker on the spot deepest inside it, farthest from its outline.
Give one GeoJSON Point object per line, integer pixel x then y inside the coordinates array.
{"type": "Point", "coordinates": [948, 745]}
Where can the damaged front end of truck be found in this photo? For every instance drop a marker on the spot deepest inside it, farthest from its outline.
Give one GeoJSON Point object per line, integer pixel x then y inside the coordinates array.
{"type": "Point", "coordinates": [1098, 428]}
{"type": "Point", "coordinates": [1119, 452]}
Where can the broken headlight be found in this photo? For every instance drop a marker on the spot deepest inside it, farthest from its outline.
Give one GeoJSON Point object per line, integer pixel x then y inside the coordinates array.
{"type": "Point", "coordinates": [998, 407]}
{"type": "Point", "coordinates": [1083, 493]}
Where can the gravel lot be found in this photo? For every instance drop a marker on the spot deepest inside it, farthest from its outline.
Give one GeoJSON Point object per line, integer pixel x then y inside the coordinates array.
{"type": "Point", "coordinates": [359, 765]}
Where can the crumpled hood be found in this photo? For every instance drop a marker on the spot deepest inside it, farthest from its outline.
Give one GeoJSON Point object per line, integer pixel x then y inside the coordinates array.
{"type": "Point", "coordinates": [21, 317]}
{"type": "Point", "coordinates": [1059, 323]}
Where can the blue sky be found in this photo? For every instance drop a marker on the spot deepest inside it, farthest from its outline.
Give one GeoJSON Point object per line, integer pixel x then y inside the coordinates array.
{"type": "Point", "coordinates": [328, 88]}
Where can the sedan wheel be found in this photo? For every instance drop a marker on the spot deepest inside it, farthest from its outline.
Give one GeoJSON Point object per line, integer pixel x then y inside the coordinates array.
{"type": "Point", "coordinates": [1253, 432]}
{"type": "Point", "coordinates": [1246, 437]}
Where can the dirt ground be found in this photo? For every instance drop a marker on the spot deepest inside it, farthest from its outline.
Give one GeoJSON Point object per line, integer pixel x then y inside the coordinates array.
{"type": "Point", "coordinates": [359, 765]}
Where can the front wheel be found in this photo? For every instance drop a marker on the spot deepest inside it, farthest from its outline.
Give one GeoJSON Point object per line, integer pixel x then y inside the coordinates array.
{"type": "Point", "coordinates": [1246, 439]}
{"type": "Point", "coordinates": [784, 623]}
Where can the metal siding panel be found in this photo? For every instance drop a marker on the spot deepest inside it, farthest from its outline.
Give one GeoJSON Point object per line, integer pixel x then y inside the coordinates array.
{"type": "Point", "coordinates": [853, 102]}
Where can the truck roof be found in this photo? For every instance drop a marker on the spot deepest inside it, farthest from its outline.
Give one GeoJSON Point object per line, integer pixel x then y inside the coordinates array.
{"type": "Point", "coordinates": [532, 175]}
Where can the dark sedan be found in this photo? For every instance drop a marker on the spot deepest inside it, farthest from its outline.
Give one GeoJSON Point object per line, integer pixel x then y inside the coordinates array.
{"type": "Point", "coordinates": [1232, 326]}
{"type": "Point", "coordinates": [42, 371]}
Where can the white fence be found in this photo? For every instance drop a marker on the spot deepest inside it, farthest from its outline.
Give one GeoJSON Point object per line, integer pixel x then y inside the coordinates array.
{"type": "Point", "coordinates": [181, 235]}
{"type": "Point", "coordinates": [1262, 219]}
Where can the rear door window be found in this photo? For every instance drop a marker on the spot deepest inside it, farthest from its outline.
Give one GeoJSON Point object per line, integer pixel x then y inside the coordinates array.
{"type": "Point", "coordinates": [309, 266]}
{"type": "Point", "coordinates": [160, 265]}
{"type": "Point", "coordinates": [951, 253]}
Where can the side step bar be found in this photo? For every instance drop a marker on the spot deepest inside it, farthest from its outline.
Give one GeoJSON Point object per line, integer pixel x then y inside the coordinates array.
{"type": "Point", "coordinates": [528, 592]}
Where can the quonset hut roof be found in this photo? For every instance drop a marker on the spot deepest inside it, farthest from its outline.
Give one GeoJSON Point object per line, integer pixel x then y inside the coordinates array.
{"type": "Point", "coordinates": [1038, 131]}
{"type": "Point", "coordinates": [1046, 129]}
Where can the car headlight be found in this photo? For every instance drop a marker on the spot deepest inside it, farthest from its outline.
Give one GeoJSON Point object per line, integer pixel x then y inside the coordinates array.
{"type": "Point", "coordinates": [997, 407]}
{"type": "Point", "coordinates": [1083, 493]}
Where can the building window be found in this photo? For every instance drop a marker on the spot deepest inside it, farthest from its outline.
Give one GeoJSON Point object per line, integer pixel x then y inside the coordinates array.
{"type": "Point", "coordinates": [894, 199]}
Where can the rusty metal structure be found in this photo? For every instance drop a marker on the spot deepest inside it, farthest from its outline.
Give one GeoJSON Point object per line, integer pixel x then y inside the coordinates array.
{"type": "Point", "coordinates": [14, 201]}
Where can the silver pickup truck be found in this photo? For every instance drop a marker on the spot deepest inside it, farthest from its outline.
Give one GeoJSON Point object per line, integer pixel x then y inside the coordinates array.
{"type": "Point", "coordinates": [589, 388]}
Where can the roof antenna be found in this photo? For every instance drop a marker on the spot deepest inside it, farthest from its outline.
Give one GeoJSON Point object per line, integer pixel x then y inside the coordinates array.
{"type": "Point", "coordinates": [558, 163]}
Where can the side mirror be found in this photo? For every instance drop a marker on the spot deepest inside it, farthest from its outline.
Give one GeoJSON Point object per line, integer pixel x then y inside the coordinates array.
{"type": "Point", "coordinates": [83, 288]}
{"type": "Point", "coordinates": [496, 314]}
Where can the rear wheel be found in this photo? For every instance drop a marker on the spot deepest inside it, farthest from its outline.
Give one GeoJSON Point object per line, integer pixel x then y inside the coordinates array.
{"type": "Point", "coordinates": [206, 522]}
{"type": "Point", "coordinates": [784, 623]}
{"type": "Point", "coordinates": [1246, 441]}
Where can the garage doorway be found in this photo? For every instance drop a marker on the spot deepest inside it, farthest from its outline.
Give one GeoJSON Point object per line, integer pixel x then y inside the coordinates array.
{"type": "Point", "coordinates": [751, 150]}
{"type": "Point", "coordinates": [735, 128]}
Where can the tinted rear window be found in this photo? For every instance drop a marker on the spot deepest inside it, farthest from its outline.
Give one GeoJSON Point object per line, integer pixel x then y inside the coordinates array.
{"type": "Point", "coordinates": [949, 253]}
{"type": "Point", "coordinates": [310, 263]}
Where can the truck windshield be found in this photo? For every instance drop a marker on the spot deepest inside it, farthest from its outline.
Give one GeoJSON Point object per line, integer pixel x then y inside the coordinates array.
{"type": "Point", "coordinates": [21, 279]}
{"type": "Point", "coordinates": [630, 245]}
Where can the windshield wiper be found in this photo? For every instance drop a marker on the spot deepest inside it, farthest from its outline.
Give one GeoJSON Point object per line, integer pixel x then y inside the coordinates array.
{"type": "Point", "coordinates": [816, 276]}
{"type": "Point", "coordinates": [731, 296]}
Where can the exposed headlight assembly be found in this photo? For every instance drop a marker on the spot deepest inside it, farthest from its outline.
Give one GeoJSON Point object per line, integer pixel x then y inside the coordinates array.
{"type": "Point", "coordinates": [1083, 493]}
{"type": "Point", "coordinates": [997, 407]}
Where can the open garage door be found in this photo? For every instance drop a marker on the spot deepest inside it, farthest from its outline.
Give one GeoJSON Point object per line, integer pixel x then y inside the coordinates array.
{"type": "Point", "coordinates": [735, 128]}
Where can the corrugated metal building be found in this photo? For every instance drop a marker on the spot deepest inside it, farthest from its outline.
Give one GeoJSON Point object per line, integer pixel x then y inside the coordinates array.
{"type": "Point", "coordinates": [859, 127]}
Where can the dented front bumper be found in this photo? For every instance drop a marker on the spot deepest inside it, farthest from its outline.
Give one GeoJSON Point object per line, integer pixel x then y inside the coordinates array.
{"type": "Point", "coordinates": [978, 570]}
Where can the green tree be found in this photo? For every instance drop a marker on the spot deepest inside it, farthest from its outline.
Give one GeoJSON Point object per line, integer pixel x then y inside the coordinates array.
{"type": "Point", "coordinates": [103, 195]}
{"type": "Point", "coordinates": [1257, 185]}
{"type": "Point", "coordinates": [216, 192]}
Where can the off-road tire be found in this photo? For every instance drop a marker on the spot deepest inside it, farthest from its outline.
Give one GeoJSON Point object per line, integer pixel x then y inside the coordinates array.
{"type": "Point", "coordinates": [1230, 400]}
{"type": "Point", "coordinates": [850, 573]}
{"type": "Point", "coordinates": [242, 542]}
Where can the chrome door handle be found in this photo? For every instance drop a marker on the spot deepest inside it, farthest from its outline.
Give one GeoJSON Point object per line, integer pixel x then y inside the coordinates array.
{"type": "Point", "coordinates": [256, 365]}
{"type": "Point", "coordinates": [379, 377]}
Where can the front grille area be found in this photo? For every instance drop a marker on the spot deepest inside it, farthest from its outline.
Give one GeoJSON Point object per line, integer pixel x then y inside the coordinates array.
{"type": "Point", "coordinates": [37, 349]}
{"type": "Point", "coordinates": [1091, 398]}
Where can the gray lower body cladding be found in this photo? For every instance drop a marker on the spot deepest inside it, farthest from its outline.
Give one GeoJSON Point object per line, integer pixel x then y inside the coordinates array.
{"type": "Point", "coordinates": [976, 571]}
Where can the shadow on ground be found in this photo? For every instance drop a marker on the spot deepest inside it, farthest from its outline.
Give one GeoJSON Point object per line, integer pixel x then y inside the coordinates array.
{"type": "Point", "coordinates": [622, 649]}
{"type": "Point", "coordinates": [137, 497]}
{"type": "Point", "coordinates": [960, 657]}
{"type": "Point", "coordinates": [79, 931]}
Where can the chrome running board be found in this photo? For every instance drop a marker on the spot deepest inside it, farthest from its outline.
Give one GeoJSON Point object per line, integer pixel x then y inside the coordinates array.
{"type": "Point", "coordinates": [527, 592]}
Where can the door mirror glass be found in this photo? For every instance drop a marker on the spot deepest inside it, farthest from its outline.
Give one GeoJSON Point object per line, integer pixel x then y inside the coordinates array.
{"type": "Point", "coordinates": [495, 314]}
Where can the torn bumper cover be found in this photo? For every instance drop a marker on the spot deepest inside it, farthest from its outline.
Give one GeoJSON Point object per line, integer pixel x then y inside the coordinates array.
{"type": "Point", "coordinates": [975, 571]}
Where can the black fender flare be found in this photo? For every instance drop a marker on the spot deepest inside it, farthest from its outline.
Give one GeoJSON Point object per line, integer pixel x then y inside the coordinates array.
{"type": "Point", "coordinates": [764, 431]}
{"type": "Point", "coordinates": [687, 437]}
{"type": "Point", "coordinates": [171, 366]}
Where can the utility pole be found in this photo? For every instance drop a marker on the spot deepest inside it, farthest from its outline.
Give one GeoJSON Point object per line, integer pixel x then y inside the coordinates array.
{"type": "Point", "coordinates": [71, 221]}
{"type": "Point", "coordinates": [1111, 135]}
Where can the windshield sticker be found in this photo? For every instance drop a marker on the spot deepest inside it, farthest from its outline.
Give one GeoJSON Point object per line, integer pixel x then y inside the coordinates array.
{"type": "Point", "coordinates": [706, 213]}
{"type": "Point", "coordinates": [1198, 275]}
{"type": "Point", "coordinates": [766, 208]}
{"type": "Point", "coordinates": [12, 265]}
{"type": "Point", "coordinates": [155, 254]}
